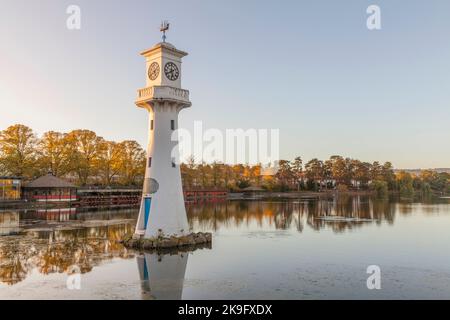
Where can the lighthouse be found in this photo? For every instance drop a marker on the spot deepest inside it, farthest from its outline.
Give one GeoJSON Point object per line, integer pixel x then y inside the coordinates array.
{"type": "Point", "coordinates": [162, 212]}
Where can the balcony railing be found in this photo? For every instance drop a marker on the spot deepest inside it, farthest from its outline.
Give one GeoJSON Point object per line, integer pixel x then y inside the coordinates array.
{"type": "Point", "coordinates": [163, 92]}
{"type": "Point", "coordinates": [145, 92]}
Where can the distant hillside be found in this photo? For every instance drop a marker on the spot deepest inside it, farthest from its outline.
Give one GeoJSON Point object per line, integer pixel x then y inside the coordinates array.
{"type": "Point", "coordinates": [417, 171]}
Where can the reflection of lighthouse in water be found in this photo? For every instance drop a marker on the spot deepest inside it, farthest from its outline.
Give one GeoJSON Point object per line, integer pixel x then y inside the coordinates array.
{"type": "Point", "coordinates": [162, 276]}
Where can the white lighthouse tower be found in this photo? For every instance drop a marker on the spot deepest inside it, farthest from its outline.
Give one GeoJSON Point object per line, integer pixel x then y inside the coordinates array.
{"type": "Point", "coordinates": [162, 211]}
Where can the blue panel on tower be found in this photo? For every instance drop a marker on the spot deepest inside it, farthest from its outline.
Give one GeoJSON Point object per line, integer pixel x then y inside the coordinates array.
{"type": "Point", "coordinates": [147, 204]}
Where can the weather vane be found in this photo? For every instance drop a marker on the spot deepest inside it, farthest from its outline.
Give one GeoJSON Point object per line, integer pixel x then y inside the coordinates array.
{"type": "Point", "coordinates": [164, 27]}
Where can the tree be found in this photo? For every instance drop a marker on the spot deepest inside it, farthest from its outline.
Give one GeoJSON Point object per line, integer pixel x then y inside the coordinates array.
{"type": "Point", "coordinates": [255, 175]}
{"type": "Point", "coordinates": [337, 166]}
{"type": "Point", "coordinates": [85, 150]}
{"type": "Point", "coordinates": [132, 162]}
{"type": "Point", "coordinates": [217, 174]}
{"type": "Point", "coordinates": [228, 176]}
{"type": "Point", "coordinates": [297, 170]}
{"type": "Point", "coordinates": [388, 175]}
{"type": "Point", "coordinates": [54, 154]}
{"type": "Point", "coordinates": [380, 187]}
{"type": "Point", "coordinates": [239, 176]}
{"type": "Point", "coordinates": [314, 171]}
{"type": "Point", "coordinates": [362, 173]}
{"type": "Point", "coordinates": [18, 151]}
{"type": "Point", "coordinates": [205, 174]}
{"type": "Point", "coordinates": [109, 160]}
{"type": "Point", "coordinates": [349, 171]}
{"type": "Point", "coordinates": [405, 184]}
{"type": "Point", "coordinates": [94, 160]}
{"type": "Point", "coordinates": [376, 171]}
{"type": "Point", "coordinates": [441, 182]}
{"type": "Point", "coordinates": [188, 173]}
{"type": "Point", "coordinates": [284, 175]}
{"type": "Point", "coordinates": [438, 182]}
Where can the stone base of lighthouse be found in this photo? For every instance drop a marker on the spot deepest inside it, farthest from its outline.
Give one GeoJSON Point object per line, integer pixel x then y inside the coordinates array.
{"type": "Point", "coordinates": [192, 240]}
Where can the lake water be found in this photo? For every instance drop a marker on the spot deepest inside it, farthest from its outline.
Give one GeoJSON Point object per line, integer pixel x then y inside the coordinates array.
{"type": "Point", "coordinates": [270, 249]}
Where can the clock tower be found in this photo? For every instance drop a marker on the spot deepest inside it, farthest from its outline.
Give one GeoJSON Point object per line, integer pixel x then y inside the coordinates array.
{"type": "Point", "coordinates": [162, 212]}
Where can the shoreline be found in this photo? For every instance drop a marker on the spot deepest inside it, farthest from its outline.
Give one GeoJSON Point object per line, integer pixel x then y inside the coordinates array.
{"type": "Point", "coordinates": [232, 196]}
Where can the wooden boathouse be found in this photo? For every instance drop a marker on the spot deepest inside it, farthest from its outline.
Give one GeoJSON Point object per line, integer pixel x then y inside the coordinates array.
{"type": "Point", "coordinates": [48, 189]}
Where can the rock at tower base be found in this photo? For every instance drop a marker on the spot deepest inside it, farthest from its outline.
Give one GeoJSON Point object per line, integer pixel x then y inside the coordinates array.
{"type": "Point", "coordinates": [192, 239]}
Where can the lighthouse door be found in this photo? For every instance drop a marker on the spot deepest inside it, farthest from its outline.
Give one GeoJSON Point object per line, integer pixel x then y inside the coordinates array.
{"type": "Point", "coordinates": [147, 204]}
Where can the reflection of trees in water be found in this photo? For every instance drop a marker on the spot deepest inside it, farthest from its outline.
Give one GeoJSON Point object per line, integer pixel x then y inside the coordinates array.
{"type": "Point", "coordinates": [426, 205]}
{"type": "Point", "coordinates": [357, 207]}
{"type": "Point", "coordinates": [293, 214]}
{"type": "Point", "coordinates": [9, 222]}
{"type": "Point", "coordinates": [284, 217]}
{"type": "Point", "coordinates": [55, 251]}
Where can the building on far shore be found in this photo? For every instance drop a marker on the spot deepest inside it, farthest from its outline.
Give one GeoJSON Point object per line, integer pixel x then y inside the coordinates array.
{"type": "Point", "coordinates": [49, 188]}
{"type": "Point", "coordinates": [10, 188]}
{"type": "Point", "coordinates": [253, 192]}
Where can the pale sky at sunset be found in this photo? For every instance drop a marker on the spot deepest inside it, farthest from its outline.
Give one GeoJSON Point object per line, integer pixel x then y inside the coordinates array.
{"type": "Point", "coordinates": [310, 68]}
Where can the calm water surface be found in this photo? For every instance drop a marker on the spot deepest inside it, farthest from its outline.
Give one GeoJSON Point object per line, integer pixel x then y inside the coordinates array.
{"type": "Point", "coordinates": [271, 249]}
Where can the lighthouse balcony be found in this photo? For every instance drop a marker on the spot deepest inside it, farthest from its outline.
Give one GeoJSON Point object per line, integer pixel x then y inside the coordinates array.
{"type": "Point", "coordinates": [162, 93]}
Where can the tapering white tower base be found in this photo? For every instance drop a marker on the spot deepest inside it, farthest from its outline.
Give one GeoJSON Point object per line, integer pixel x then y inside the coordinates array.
{"type": "Point", "coordinates": [162, 211]}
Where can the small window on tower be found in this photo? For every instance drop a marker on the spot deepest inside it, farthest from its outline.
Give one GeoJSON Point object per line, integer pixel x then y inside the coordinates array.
{"type": "Point", "coordinates": [149, 162]}
{"type": "Point", "coordinates": [173, 163]}
{"type": "Point", "coordinates": [151, 124]}
{"type": "Point", "coordinates": [172, 124]}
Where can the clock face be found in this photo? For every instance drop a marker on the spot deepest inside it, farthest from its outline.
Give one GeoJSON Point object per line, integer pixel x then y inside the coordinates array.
{"type": "Point", "coordinates": [153, 71]}
{"type": "Point", "coordinates": [171, 71]}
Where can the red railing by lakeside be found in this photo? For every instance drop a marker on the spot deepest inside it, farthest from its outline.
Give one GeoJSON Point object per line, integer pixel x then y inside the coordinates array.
{"type": "Point", "coordinates": [108, 197]}
{"type": "Point", "coordinates": [55, 198]}
{"type": "Point", "coordinates": [205, 194]}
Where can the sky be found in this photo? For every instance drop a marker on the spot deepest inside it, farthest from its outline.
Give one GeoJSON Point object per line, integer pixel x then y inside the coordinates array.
{"type": "Point", "coordinates": [311, 69]}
